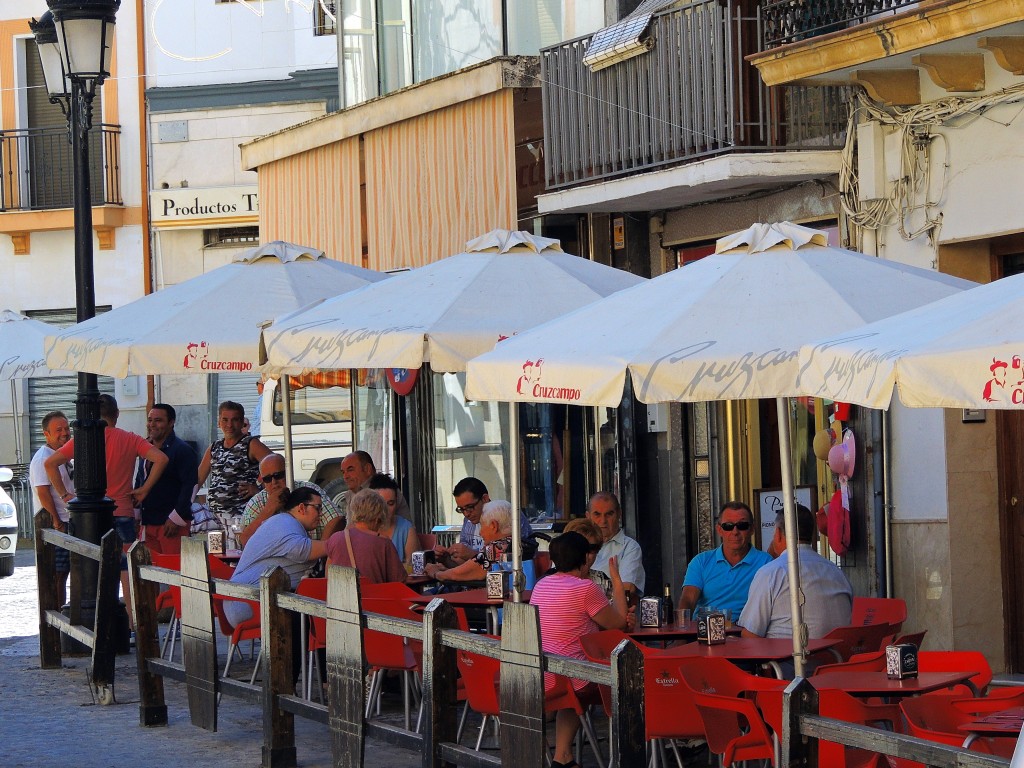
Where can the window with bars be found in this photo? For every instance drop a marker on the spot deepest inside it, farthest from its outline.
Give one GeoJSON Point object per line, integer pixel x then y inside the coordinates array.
{"type": "Point", "coordinates": [231, 236]}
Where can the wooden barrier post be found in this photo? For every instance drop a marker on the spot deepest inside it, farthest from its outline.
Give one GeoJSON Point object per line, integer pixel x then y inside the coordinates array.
{"type": "Point", "coordinates": [152, 706]}
{"type": "Point", "coordinates": [104, 647]}
{"type": "Point", "coordinates": [522, 687]}
{"type": "Point", "coordinates": [198, 642]}
{"type": "Point", "coordinates": [440, 673]}
{"type": "Point", "coordinates": [277, 669]}
{"type": "Point", "coordinates": [799, 699]}
{"type": "Point", "coordinates": [46, 587]}
{"type": "Point", "coordinates": [628, 714]}
{"type": "Point", "coordinates": [346, 673]}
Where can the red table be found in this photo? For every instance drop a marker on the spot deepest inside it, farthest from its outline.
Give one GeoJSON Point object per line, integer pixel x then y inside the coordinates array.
{"type": "Point", "coordinates": [759, 650]}
{"type": "Point", "coordinates": [878, 683]}
{"type": "Point", "coordinates": [473, 598]}
{"type": "Point", "coordinates": [1007, 723]}
{"type": "Point", "coordinates": [687, 631]}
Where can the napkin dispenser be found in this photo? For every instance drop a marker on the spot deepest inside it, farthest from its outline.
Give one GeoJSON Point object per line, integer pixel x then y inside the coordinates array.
{"type": "Point", "coordinates": [650, 612]}
{"type": "Point", "coordinates": [901, 661]}
{"type": "Point", "coordinates": [711, 628]}
{"type": "Point", "coordinates": [499, 584]}
{"type": "Point", "coordinates": [420, 559]}
{"type": "Point", "coordinates": [215, 542]}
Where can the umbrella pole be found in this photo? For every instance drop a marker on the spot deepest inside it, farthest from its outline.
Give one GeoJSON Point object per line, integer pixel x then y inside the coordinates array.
{"type": "Point", "coordinates": [17, 428]}
{"type": "Point", "coordinates": [285, 385]}
{"type": "Point", "coordinates": [796, 595]}
{"type": "Point", "coordinates": [518, 579]}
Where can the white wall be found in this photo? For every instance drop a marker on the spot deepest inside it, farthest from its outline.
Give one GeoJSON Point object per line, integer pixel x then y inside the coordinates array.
{"type": "Point", "coordinates": [194, 42]}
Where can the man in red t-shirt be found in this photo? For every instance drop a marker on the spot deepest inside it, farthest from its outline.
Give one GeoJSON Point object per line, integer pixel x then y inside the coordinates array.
{"type": "Point", "coordinates": [122, 449]}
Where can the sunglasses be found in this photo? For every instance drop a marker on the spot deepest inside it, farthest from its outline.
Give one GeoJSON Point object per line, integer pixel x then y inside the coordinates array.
{"type": "Point", "coordinates": [467, 508]}
{"type": "Point", "coordinates": [317, 507]}
{"type": "Point", "coordinates": [744, 526]}
{"type": "Point", "coordinates": [274, 476]}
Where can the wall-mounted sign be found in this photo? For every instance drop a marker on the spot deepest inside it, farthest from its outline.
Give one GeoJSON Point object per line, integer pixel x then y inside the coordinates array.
{"type": "Point", "coordinates": [402, 380]}
{"type": "Point", "coordinates": [619, 233]}
{"type": "Point", "coordinates": [189, 207]}
{"type": "Point", "coordinates": [769, 504]}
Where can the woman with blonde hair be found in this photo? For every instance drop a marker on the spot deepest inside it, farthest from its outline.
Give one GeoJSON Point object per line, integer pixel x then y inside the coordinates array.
{"type": "Point", "coordinates": [362, 545]}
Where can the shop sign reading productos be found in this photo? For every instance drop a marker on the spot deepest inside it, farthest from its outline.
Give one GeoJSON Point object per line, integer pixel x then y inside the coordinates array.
{"type": "Point", "coordinates": [201, 207]}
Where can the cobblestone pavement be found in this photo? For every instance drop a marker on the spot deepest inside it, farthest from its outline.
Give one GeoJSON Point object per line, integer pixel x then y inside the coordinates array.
{"type": "Point", "coordinates": [48, 718]}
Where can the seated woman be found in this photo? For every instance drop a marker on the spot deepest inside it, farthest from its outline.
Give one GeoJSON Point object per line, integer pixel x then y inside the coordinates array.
{"type": "Point", "coordinates": [570, 606]}
{"type": "Point", "coordinates": [496, 531]}
{"type": "Point", "coordinates": [362, 545]}
{"type": "Point", "coordinates": [400, 530]}
{"type": "Point", "coordinates": [589, 530]}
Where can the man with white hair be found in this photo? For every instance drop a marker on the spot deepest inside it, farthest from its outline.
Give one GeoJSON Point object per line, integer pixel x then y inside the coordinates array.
{"type": "Point", "coordinates": [496, 531]}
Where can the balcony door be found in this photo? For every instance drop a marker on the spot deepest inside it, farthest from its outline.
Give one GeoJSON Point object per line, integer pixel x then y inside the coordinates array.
{"type": "Point", "coordinates": [45, 149]}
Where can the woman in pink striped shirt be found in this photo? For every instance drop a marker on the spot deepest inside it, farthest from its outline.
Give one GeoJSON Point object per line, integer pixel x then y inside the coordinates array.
{"type": "Point", "coordinates": [570, 606]}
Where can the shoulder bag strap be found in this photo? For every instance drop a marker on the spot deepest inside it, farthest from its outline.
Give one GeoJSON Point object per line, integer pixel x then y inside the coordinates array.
{"type": "Point", "coordinates": [351, 554]}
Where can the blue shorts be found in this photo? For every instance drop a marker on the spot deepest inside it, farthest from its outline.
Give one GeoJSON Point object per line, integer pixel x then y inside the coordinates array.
{"type": "Point", "coordinates": [125, 527]}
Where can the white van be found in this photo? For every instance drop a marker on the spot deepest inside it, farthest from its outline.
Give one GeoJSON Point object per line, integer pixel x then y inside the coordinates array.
{"type": "Point", "coordinates": [321, 431]}
{"type": "Point", "coordinates": [8, 526]}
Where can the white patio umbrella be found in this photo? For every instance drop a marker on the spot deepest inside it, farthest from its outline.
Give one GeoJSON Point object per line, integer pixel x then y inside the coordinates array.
{"type": "Point", "coordinates": [211, 323]}
{"type": "Point", "coordinates": [21, 356]}
{"type": "Point", "coordinates": [726, 327]}
{"type": "Point", "coordinates": [963, 351]}
{"type": "Point", "coordinates": [445, 313]}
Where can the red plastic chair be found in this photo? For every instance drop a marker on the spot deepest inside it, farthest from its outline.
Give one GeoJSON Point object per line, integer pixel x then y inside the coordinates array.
{"type": "Point", "coordinates": [737, 728]}
{"type": "Point", "coordinates": [386, 652]}
{"type": "Point", "coordinates": [249, 629]}
{"type": "Point", "coordinates": [914, 638]}
{"type": "Point", "coordinates": [387, 590]}
{"type": "Point", "coordinates": [865, 638]}
{"type": "Point", "coordinates": [317, 635]}
{"type": "Point", "coordinates": [483, 694]}
{"type": "Point", "coordinates": [936, 718]}
{"type": "Point", "coordinates": [879, 610]}
{"type": "Point", "coordinates": [840, 705]}
{"type": "Point", "coordinates": [169, 598]}
{"type": "Point", "coordinates": [958, 661]}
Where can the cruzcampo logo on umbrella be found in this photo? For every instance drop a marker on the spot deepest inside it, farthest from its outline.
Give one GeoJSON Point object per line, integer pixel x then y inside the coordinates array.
{"type": "Point", "coordinates": [197, 359]}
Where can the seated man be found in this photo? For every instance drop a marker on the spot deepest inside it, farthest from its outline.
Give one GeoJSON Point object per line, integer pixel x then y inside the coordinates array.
{"type": "Point", "coordinates": [496, 533]}
{"type": "Point", "coordinates": [720, 578]}
{"type": "Point", "coordinates": [606, 513]}
{"type": "Point", "coordinates": [829, 596]}
{"type": "Point", "coordinates": [470, 497]}
{"type": "Point", "coordinates": [269, 502]}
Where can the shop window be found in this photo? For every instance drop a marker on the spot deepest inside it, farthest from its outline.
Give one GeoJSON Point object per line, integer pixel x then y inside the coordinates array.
{"type": "Point", "coordinates": [231, 236]}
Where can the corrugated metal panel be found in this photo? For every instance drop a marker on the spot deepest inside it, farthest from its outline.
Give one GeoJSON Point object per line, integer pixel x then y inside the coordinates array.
{"type": "Point", "coordinates": [241, 388]}
{"type": "Point", "coordinates": [436, 181]}
{"type": "Point", "coordinates": [312, 198]}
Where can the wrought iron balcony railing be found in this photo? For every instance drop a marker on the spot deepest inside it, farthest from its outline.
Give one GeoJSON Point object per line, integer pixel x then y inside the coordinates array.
{"type": "Point", "coordinates": [787, 21]}
{"type": "Point", "coordinates": [690, 96]}
{"type": "Point", "coordinates": [36, 163]}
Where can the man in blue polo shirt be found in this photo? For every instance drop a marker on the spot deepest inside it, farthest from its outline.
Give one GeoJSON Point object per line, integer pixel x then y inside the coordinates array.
{"type": "Point", "coordinates": [720, 578]}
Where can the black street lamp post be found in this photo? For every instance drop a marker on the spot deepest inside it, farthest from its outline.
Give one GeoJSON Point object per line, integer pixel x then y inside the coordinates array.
{"type": "Point", "coordinates": [74, 39]}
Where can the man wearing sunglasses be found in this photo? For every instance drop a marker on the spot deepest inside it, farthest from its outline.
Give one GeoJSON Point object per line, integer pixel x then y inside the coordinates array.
{"type": "Point", "coordinates": [720, 578]}
{"type": "Point", "coordinates": [470, 496]}
{"type": "Point", "coordinates": [269, 501]}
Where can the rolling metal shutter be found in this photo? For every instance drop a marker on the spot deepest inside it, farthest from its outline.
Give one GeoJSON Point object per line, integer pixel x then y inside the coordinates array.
{"type": "Point", "coordinates": [241, 388]}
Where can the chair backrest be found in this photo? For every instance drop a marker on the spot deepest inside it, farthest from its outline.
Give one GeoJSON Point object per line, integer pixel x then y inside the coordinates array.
{"type": "Point", "coordinates": [864, 638]}
{"type": "Point", "coordinates": [387, 590]}
{"type": "Point", "coordinates": [480, 676]}
{"type": "Point", "coordinates": [914, 638]}
{"type": "Point", "coordinates": [598, 646]}
{"type": "Point", "coordinates": [170, 562]}
{"type": "Point", "coordinates": [316, 589]}
{"type": "Point", "coordinates": [840, 705]}
{"type": "Point", "coordinates": [957, 661]}
{"type": "Point", "coordinates": [936, 717]}
{"type": "Point", "coordinates": [427, 540]}
{"type": "Point", "coordinates": [879, 610]}
{"type": "Point", "coordinates": [861, 662]}
{"type": "Point", "coordinates": [383, 649]}
{"type": "Point", "coordinates": [541, 563]}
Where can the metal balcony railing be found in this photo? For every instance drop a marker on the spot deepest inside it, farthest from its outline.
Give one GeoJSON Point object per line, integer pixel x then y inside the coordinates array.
{"type": "Point", "coordinates": [787, 21]}
{"type": "Point", "coordinates": [690, 96]}
{"type": "Point", "coordinates": [36, 165]}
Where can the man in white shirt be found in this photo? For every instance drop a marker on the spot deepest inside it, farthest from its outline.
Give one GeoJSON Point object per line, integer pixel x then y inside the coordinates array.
{"type": "Point", "coordinates": [604, 511]}
{"type": "Point", "coordinates": [829, 596]}
{"type": "Point", "coordinates": [57, 433]}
